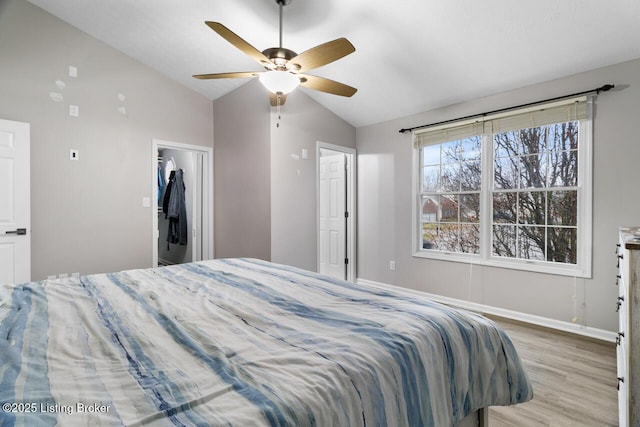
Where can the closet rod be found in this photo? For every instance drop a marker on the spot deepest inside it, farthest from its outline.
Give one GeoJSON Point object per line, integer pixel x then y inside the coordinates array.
{"type": "Point", "coordinates": [603, 88]}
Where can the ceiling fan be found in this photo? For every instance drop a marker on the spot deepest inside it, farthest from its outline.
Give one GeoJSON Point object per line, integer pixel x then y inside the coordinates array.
{"type": "Point", "coordinates": [283, 67]}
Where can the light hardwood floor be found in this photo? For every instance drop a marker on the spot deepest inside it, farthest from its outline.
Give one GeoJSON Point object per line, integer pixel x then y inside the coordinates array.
{"type": "Point", "coordinates": [574, 380]}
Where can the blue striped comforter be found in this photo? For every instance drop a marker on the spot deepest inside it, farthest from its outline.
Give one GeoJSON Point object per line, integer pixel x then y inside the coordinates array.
{"type": "Point", "coordinates": [244, 342]}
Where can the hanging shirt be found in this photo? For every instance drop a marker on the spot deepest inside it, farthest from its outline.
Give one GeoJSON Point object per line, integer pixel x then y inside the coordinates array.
{"type": "Point", "coordinates": [177, 211]}
{"type": "Point", "coordinates": [167, 193]}
{"type": "Point", "coordinates": [160, 184]}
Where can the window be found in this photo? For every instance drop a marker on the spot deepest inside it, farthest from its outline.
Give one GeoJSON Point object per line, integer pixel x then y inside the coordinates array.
{"type": "Point", "coordinates": [450, 199]}
{"type": "Point", "coordinates": [510, 190]}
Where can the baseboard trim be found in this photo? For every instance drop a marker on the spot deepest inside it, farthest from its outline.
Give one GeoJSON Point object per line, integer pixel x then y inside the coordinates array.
{"type": "Point", "coordinates": [587, 331]}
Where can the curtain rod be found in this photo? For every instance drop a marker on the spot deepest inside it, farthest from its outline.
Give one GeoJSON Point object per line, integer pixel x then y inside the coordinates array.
{"type": "Point", "coordinates": [604, 88]}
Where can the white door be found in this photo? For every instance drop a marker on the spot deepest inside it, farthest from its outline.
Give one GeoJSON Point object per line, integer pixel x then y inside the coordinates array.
{"type": "Point", "coordinates": [15, 208]}
{"type": "Point", "coordinates": [333, 220]}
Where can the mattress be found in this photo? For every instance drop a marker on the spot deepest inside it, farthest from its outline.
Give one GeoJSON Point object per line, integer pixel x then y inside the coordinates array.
{"type": "Point", "coordinates": [244, 342]}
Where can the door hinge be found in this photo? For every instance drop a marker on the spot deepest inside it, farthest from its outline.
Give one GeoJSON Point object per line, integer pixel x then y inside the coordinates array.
{"type": "Point", "coordinates": [346, 260]}
{"type": "Point", "coordinates": [346, 214]}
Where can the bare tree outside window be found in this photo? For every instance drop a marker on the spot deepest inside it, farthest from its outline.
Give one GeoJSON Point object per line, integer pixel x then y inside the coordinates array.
{"type": "Point", "coordinates": [508, 190]}
{"type": "Point", "coordinates": [535, 201]}
{"type": "Point", "coordinates": [451, 183]}
{"type": "Point", "coordinates": [534, 194]}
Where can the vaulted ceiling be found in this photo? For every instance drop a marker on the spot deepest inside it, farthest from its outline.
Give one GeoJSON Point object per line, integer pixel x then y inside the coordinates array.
{"type": "Point", "coordinates": [411, 55]}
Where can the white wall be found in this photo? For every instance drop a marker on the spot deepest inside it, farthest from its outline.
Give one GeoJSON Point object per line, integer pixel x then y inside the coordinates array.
{"type": "Point", "coordinates": [385, 207]}
{"type": "Point", "coordinates": [87, 215]}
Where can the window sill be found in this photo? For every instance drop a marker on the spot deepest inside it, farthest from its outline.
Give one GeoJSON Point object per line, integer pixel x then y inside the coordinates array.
{"type": "Point", "coordinates": [515, 264]}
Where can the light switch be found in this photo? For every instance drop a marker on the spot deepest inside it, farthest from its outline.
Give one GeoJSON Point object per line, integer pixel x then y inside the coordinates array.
{"type": "Point", "coordinates": [146, 202]}
{"type": "Point", "coordinates": [73, 71]}
{"type": "Point", "coordinates": [74, 110]}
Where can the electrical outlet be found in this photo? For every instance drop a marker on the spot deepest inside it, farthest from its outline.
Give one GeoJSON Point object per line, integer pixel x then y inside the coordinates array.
{"type": "Point", "coordinates": [74, 155]}
{"type": "Point", "coordinates": [74, 110]}
{"type": "Point", "coordinates": [392, 265]}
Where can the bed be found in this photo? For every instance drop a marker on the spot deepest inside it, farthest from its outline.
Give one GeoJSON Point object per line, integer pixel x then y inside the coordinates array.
{"type": "Point", "coordinates": [245, 342]}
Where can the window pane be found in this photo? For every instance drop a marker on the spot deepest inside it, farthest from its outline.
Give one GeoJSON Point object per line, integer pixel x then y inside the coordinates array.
{"type": "Point", "coordinates": [533, 140]}
{"type": "Point", "coordinates": [431, 178]}
{"type": "Point", "coordinates": [504, 207]}
{"type": "Point", "coordinates": [562, 245]}
{"type": "Point", "coordinates": [531, 243]}
{"type": "Point", "coordinates": [429, 236]}
{"type": "Point", "coordinates": [504, 240]}
{"type": "Point", "coordinates": [533, 171]}
{"type": "Point", "coordinates": [430, 209]}
{"type": "Point", "coordinates": [471, 176]}
{"type": "Point", "coordinates": [563, 208]}
{"type": "Point", "coordinates": [448, 238]}
{"type": "Point", "coordinates": [531, 207]}
{"type": "Point", "coordinates": [431, 155]}
{"type": "Point", "coordinates": [563, 136]}
{"type": "Point", "coordinates": [450, 177]}
{"type": "Point", "coordinates": [563, 155]}
{"type": "Point", "coordinates": [505, 174]}
{"type": "Point", "coordinates": [505, 145]}
{"type": "Point", "coordinates": [449, 208]}
{"type": "Point", "coordinates": [470, 238]}
{"type": "Point", "coordinates": [470, 208]}
{"type": "Point", "coordinates": [450, 152]}
{"type": "Point", "coordinates": [471, 148]}
{"type": "Point", "coordinates": [563, 168]}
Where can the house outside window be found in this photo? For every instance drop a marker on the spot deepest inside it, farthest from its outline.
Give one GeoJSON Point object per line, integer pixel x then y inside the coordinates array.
{"type": "Point", "coordinates": [510, 190]}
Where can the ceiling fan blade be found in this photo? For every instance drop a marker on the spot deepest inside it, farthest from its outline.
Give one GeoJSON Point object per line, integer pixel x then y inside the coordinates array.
{"type": "Point", "coordinates": [240, 75]}
{"type": "Point", "coordinates": [325, 85]}
{"type": "Point", "coordinates": [273, 99]}
{"type": "Point", "coordinates": [321, 55]}
{"type": "Point", "coordinates": [240, 43]}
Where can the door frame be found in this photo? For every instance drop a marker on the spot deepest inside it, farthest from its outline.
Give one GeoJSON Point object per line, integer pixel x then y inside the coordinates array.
{"type": "Point", "coordinates": [350, 235]}
{"type": "Point", "coordinates": [205, 192]}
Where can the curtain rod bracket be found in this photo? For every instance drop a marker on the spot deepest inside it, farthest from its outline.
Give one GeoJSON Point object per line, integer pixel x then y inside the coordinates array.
{"type": "Point", "coordinates": [604, 88]}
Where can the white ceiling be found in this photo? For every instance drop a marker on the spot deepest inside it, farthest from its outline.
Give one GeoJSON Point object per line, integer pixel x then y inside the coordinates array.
{"type": "Point", "coordinates": [411, 55]}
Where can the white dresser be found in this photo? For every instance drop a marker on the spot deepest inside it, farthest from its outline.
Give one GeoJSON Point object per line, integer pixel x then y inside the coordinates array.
{"type": "Point", "coordinates": [628, 341]}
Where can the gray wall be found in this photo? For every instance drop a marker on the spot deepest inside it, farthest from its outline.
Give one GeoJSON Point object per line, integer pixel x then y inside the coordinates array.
{"type": "Point", "coordinates": [242, 196]}
{"type": "Point", "coordinates": [265, 200]}
{"type": "Point", "coordinates": [87, 215]}
{"type": "Point", "coordinates": [385, 207]}
{"type": "Point", "coordinates": [303, 122]}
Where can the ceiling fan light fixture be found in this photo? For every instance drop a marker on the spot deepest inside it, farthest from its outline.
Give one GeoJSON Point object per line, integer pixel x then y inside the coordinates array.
{"type": "Point", "coordinates": [279, 81]}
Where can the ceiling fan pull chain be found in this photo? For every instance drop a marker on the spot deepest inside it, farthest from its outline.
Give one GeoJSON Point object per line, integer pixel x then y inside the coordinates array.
{"type": "Point", "coordinates": [278, 95]}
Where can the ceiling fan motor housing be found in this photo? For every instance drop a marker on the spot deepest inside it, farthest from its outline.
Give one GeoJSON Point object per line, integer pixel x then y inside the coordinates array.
{"type": "Point", "coordinates": [280, 56]}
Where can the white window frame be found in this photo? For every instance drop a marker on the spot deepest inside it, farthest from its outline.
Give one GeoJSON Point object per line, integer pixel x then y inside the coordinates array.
{"type": "Point", "coordinates": [583, 266]}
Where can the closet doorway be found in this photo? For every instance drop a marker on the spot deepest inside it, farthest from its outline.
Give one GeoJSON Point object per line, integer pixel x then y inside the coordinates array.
{"type": "Point", "coordinates": [196, 165]}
